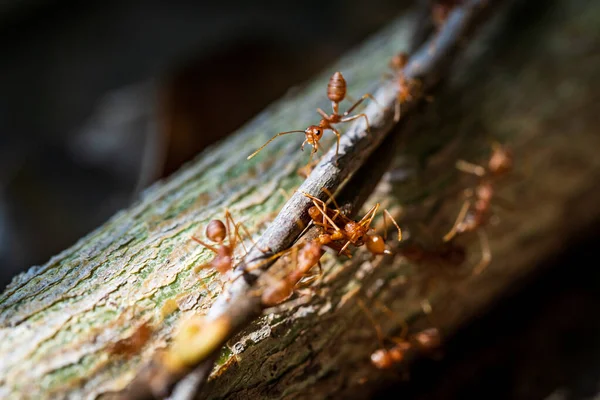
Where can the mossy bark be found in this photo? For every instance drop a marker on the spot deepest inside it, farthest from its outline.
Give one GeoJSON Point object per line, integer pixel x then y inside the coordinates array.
{"type": "Point", "coordinates": [529, 81]}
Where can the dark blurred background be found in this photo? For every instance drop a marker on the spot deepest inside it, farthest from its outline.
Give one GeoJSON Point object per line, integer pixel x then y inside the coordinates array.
{"type": "Point", "coordinates": [100, 99]}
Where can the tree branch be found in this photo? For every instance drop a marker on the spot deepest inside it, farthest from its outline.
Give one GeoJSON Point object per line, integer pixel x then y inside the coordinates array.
{"type": "Point", "coordinates": [238, 306]}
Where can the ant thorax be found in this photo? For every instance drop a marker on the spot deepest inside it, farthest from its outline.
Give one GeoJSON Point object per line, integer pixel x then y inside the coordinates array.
{"type": "Point", "coordinates": [355, 232]}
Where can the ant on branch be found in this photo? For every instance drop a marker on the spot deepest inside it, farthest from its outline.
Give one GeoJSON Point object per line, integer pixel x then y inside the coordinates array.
{"type": "Point", "coordinates": [336, 92]}
{"type": "Point", "coordinates": [353, 232]}
{"type": "Point", "coordinates": [440, 9]}
{"type": "Point", "coordinates": [217, 232]}
{"type": "Point", "coordinates": [425, 341]}
{"type": "Point", "coordinates": [474, 213]}
{"type": "Point", "coordinates": [405, 86]}
{"type": "Point", "coordinates": [305, 256]}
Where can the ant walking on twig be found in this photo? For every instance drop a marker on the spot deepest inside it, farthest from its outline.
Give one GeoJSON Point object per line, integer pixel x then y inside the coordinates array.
{"type": "Point", "coordinates": [336, 92]}
{"type": "Point", "coordinates": [354, 233]}
{"type": "Point", "coordinates": [217, 232]}
{"type": "Point", "coordinates": [476, 208]}
{"type": "Point", "coordinates": [405, 86]}
{"type": "Point", "coordinates": [305, 256]}
{"type": "Point", "coordinates": [440, 10]}
{"type": "Point", "coordinates": [425, 341]}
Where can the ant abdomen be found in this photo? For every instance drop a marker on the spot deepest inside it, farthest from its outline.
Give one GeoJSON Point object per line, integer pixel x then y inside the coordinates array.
{"type": "Point", "coordinates": [216, 231]}
{"type": "Point", "coordinates": [381, 359]}
{"type": "Point", "coordinates": [276, 294]}
{"type": "Point", "coordinates": [375, 244]}
{"type": "Point", "coordinates": [336, 89]}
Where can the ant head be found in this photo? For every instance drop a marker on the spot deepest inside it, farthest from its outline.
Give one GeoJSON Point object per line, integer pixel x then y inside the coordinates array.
{"type": "Point", "coordinates": [399, 61]}
{"type": "Point", "coordinates": [314, 133]}
{"type": "Point", "coordinates": [356, 232]}
{"type": "Point", "coordinates": [216, 231]}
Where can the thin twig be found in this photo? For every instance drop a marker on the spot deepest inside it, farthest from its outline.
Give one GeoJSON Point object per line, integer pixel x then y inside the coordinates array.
{"type": "Point", "coordinates": [237, 305]}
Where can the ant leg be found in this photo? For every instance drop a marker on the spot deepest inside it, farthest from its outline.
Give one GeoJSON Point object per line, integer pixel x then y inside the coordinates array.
{"type": "Point", "coordinates": [310, 158]}
{"type": "Point", "coordinates": [392, 315]}
{"type": "Point", "coordinates": [387, 214]}
{"type": "Point", "coordinates": [352, 118]}
{"type": "Point", "coordinates": [262, 262]}
{"type": "Point", "coordinates": [344, 247]}
{"type": "Point", "coordinates": [338, 210]}
{"type": "Point", "coordinates": [323, 114]}
{"type": "Point", "coordinates": [486, 253]}
{"type": "Point", "coordinates": [470, 168]}
{"type": "Point", "coordinates": [239, 237]}
{"type": "Point", "coordinates": [322, 210]}
{"type": "Point", "coordinates": [459, 219]}
{"type": "Point", "coordinates": [337, 144]}
{"type": "Point", "coordinates": [314, 199]}
{"type": "Point", "coordinates": [307, 169]}
{"type": "Point", "coordinates": [229, 217]}
{"type": "Point", "coordinates": [235, 235]}
{"type": "Point", "coordinates": [330, 195]}
{"type": "Point", "coordinates": [249, 236]}
{"type": "Point", "coordinates": [208, 246]}
{"type": "Point", "coordinates": [377, 327]}
{"type": "Point", "coordinates": [269, 141]}
{"type": "Point", "coordinates": [368, 218]}
{"type": "Point", "coordinates": [303, 143]}
{"type": "Point", "coordinates": [326, 217]}
{"type": "Point", "coordinates": [397, 110]}
{"type": "Point", "coordinates": [356, 104]}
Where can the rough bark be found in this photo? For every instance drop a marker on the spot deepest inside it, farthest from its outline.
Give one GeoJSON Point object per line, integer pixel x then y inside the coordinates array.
{"type": "Point", "coordinates": [529, 82]}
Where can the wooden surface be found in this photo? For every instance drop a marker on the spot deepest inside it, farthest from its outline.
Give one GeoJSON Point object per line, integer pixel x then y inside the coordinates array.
{"type": "Point", "coordinates": [529, 82]}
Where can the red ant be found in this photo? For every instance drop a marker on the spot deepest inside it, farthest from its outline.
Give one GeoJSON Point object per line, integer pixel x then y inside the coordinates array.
{"type": "Point", "coordinates": [425, 341]}
{"type": "Point", "coordinates": [440, 9]}
{"type": "Point", "coordinates": [304, 259]}
{"type": "Point", "coordinates": [353, 232]}
{"type": "Point", "coordinates": [397, 64]}
{"type": "Point", "coordinates": [217, 231]}
{"type": "Point", "coordinates": [474, 214]}
{"type": "Point", "coordinates": [336, 92]}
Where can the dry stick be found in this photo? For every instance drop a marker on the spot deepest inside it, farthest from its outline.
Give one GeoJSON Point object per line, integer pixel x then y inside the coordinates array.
{"type": "Point", "coordinates": [237, 307]}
